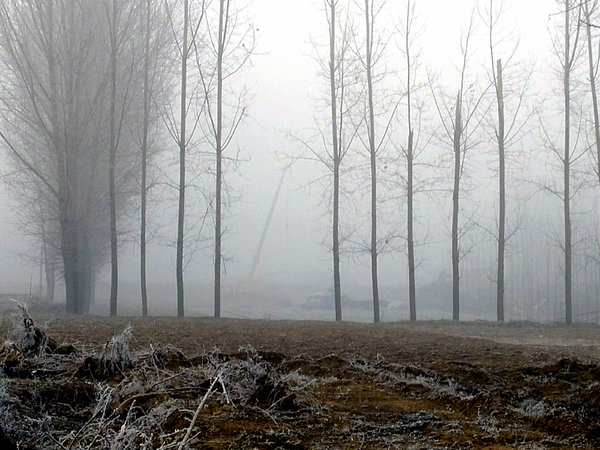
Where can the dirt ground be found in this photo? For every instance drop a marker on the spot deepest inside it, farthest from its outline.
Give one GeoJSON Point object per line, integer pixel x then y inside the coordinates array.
{"type": "Point", "coordinates": [206, 383]}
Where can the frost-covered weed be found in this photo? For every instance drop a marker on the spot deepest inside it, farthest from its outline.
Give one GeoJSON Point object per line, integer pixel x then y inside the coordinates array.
{"type": "Point", "coordinates": [533, 408]}
{"type": "Point", "coordinates": [249, 350]}
{"type": "Point", "coordinates": [487, 424]}
{"type": "Point", "coordinates": [432, 382]}
{"type": "Point", "coordinates": [4, 394]}
{"type": "Point", "coordinates": [23, 332]}
{"type": "Point", "coordinates": [118, 350]}
{"type": "Point", "coordinates": [104, 395]}
{"type": "Point", "coordinates": [241, 376]}
{"type": "Point", "coordinates": [10, 418]}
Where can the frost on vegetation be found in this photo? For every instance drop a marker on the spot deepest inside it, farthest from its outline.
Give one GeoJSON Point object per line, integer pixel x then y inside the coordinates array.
{"type": "Point", "coordinates": [487, 424]}
{"type": "Point", "coordinates": [104, 395]}
{"type": "Point", "coordinates": [4, 394]}
{"type": "Point", "coordinates": [26, 338]}
{"type": "Point", "coordinates": [136, 431]}
{"type": "Point", "coordinates": [401, 375]}
{"type": "Point", "coordinates": [249, 350]}
{"type": "Point", "coordinates": [242, 376]}
{"type": "Point", "coordinates": [533, 408]}
{"type": "Point", "coordinates": [449, 386]}
{"type": "Point", "coordinates": [24, 333]}
{"type": "Point", "coordinates": [141, 399]}
{"type": "Point", "coordinates": [12, 423]}
{"type": "Point", "coordinates": [107, 428]}
{"type": "Point", "coordinates": [130, 387]}
{"type": "Point", "coordinates": [540, 379]}
{"type": "Point", "coordinates": [256, 381]}
{"type": "Point", "coordinates": [117, 351]}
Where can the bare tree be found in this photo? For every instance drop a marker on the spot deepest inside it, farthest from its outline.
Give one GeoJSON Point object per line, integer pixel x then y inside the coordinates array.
{"type": "Point", "coordinates": [337, 133]}
{"type": "Point", "coordinates": [508, 128]}
{"type": "Point", "coordinates": [410, 151]}
{"type": "Point", "coordinates": [186, 48]}
{"type": "Point", "coordinates": [369, 19]}
{"type": "Point", "coordinates": [190, 110]}
{"type": "Point", "coordinates": [153, 29]}
{"type": "Point", "coordinates": [568, 52]}
{"type": "Point", "coordinates": [334, 65]}
{"type": "Point", "coordinates": [119, 21]}
{"type": "Point", "coordinates": [37, 218]}
{"type": "Point", "coordinates": [590, 10]}
{"type": "Point", "coordinates": [460, 120]}
{"type": "Point", "coordinates": [370, 54]}
{"type": "Point", "coordinates": [146, 21]}
{"type": "Point", "coordinates": [231, 44]}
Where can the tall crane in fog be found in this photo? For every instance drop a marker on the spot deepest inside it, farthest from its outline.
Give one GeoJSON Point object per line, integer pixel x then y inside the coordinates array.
{"type": "Point", "coordinates": [263, 235]}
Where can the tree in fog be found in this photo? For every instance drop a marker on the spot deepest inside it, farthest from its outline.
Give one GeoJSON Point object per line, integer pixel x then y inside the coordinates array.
{"type": "Point", "coordinates": [590, 13]}
{"type": "Point", "coordinates": [145, 22]}
{"type": "Point", "coordinates": [370, 54]}
{"type": "Point", "coordinates": [190, 107]}
{"type": "Point", "coordinates": [185, 49]}
{"type": "Point", "coordinates": [460, 118]}
{"type": "Point", "coordinates": [410, 151]}
{"type": "Point", "coordinates": [229, 44]}
{"type": "Point", "coordinates": [120, 17]}
{"type": "Point", "coordinates": [54, 65]}
{"type": "Point", "coordinates": [566, 45]}
{"type": "Point", "coordinates": [508, 127]}
{"type": "Point", "coordinates": [337, 66]}
{"type": "Point", "coordinates": [37, 218]}
{"type": "Point", "coordinates": [154, 43]}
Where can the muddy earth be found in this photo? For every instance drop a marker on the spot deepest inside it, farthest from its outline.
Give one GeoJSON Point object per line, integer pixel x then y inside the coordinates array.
{"type": "Point", "coordinates": [71, 382]}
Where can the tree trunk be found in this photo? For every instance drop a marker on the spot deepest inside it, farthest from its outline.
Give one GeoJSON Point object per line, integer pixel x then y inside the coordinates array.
{"type": "Point", "coordinates": [114, 263]}
{"type": "Point", "coordinates": [409, 228]}
{"type": "Point", "coordinates": [502, 195]}
{"type": "Point", "coordinates": [567, 166]}
{"type": "Point", "coordinates": [76, 271]}
{"type": "Point", "coordinates": [50, 280]}
{"type": "Point", "coordinates": [337, 284]}
{"type": "Point", "coordinates": [219, 157]}
{"type": "Point", "coordinates": [455, 209]}
{"type": "Point", "coordinates": [85, 277]}
{"type": "Point", "coordinates": [182, 146]}
{"type": "Point", "coordinates": [373, 162]}
{"type": "Point", "coordinates": [410, 153]}
{"type": "Point", "coordinates": [49, 260]}
{"type": "Point", "coordinates": [336, 168]}
{"type": "Point", "coordinates": [143, 285]}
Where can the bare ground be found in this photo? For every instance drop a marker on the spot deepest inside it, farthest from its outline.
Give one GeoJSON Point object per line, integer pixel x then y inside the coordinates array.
{"type": "Point", "coordinates": [287, 384]}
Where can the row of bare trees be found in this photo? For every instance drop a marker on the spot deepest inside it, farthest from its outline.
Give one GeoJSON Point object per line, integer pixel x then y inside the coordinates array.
{"type": "Point", "coordinates": [369, 115]}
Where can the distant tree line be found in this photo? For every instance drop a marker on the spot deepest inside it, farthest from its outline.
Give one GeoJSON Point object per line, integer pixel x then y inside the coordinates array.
{"type": "Point", "coordinates": [397, 110]}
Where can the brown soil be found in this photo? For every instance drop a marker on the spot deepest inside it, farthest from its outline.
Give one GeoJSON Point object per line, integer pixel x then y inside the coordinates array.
{"type": "Point", "coordinates": [285, 384]}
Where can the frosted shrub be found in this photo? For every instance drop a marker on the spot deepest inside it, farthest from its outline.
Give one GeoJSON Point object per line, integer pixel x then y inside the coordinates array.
{"type": "Point", "coordinates": [532, 408]}
{"type": "Point", "coordinates": [117, 351]}
{"type": "Point", "coordinates": [23, 332]}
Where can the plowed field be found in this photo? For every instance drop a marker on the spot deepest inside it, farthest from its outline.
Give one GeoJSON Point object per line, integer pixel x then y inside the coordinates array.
{"type": "Point", "coordinates": [206, 383]}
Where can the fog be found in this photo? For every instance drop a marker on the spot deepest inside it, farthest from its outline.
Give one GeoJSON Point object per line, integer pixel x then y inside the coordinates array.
{"type": "Point", "coordinates": [293, 279]}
